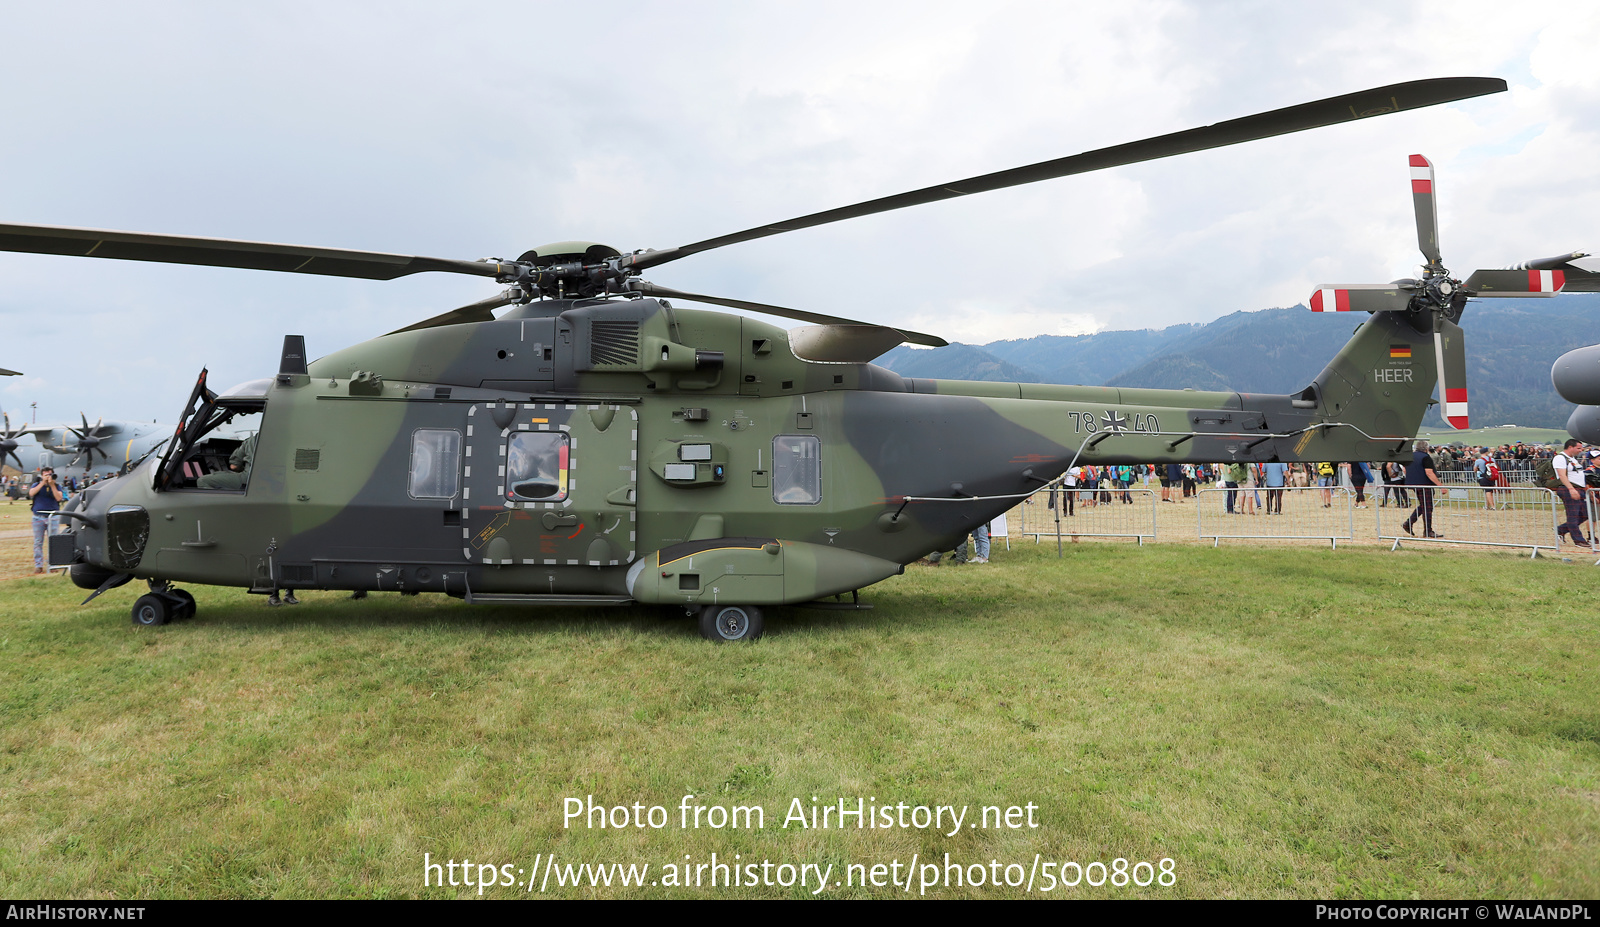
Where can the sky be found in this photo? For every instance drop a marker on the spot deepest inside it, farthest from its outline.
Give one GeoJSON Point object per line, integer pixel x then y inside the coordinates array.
{"type": "Point", "coordinates": [490, 130]}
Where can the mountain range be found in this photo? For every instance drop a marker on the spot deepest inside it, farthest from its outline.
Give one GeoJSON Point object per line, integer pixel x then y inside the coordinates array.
{"type": "Point", "coordinates": [1511, 344]}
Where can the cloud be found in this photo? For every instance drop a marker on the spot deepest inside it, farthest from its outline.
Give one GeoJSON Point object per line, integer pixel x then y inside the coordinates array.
{"type": "Point", "coordinates": [420, 134]}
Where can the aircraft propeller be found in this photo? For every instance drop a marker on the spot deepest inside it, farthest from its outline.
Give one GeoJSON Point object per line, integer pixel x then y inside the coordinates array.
{"type": "Point", "coordinates": [8, 442]}
{"type": "Point", "coordinates": [88, 441]}
{"type": "Point", "coordinates": [585, 269]}
{"type": "Point", "coordinates": [1434, 301]}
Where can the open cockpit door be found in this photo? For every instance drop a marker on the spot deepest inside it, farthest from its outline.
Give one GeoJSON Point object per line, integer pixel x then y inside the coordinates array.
{"type": "Point", "coordinates": [205, 412]}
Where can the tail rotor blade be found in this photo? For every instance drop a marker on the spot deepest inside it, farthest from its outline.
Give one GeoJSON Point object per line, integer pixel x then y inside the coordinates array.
{"type": "Point", "coordinates": [1450, 352]}
{"type": "Point", "coordinates": [1516, 283]}
{"type": "Point", "coordinates": [1360, 297]}
{"type": "Point", "coordinates": [1427, 210]}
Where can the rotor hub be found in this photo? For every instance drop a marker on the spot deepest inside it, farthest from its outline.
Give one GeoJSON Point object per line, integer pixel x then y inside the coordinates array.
{"type": "Point", "coordinates": [565, 270]}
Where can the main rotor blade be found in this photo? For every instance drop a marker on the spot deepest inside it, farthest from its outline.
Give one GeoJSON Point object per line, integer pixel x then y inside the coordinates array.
{"type": "Point", "coordinates": [480, 311]}
{"type": "Point", "coordinates": [843, 344]}
{"type": "Point", "coordinates": [1427, 210]}
{"type": "Point", "coordinates": [9, 373]}
{"type": "Point", "coordinates": [651, 289]}
{"type": "Point", "coordinates": [1378, 101]}
{"type": "Point", "coordinates": [224, 252]}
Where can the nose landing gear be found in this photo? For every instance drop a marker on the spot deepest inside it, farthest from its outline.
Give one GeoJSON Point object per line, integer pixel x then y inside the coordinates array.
{"type": "Point", "coordinates": [162, 604]}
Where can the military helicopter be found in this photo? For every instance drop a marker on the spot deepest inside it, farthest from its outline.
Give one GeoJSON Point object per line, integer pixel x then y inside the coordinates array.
{"type": "Point", "coordinates": [597, 444]}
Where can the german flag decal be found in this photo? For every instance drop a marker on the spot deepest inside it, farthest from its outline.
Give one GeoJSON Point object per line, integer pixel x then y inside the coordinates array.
{"type": "Point", "coordinates": [1399, 350]}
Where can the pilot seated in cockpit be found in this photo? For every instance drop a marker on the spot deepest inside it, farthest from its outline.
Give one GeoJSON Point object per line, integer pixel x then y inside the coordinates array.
{"type": "Point", "coordinates": [237, 476]}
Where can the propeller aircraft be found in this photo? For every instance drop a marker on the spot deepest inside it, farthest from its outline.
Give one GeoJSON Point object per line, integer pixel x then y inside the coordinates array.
{"type": "Point", "coordinates": [65, 447]}
{"type": "Point", "coordinates": [598, 444]}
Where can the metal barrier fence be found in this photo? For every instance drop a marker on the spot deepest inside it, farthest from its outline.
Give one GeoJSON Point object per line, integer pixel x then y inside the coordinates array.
{"type": "Point", "coordinates": [1089, 513]}
{"type": "Point", "coordinates": [1593, 504]}
{"type": "Point", "coordinates": [1310, 513]}
{"type": "Point", "coordinates": [1517, 516]}
{"type": "Point", "coordinates": [1470, 478]}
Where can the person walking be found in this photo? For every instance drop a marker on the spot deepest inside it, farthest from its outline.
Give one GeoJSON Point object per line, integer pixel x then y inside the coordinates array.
{"type": "Point", "coordinates": [1569, 473]}
{"type": "Point", "coordinates": [1420, 474]}
{"type": "Point", "coordinates": [1325, 479]}
{"type": "Point", "coordinates": [1276, 477]}
{"type": "Point", "coordinates": [1360, 476]}
{"type": "Point", "coordinates": [1488, 476]}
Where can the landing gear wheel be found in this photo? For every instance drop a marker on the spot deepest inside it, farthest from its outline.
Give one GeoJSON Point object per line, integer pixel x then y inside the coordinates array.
{"type": "Point", "coordinates": [730, 623]}
{"type": "Point", "coordinates": [185, 608]}
{"type": "Point", "coordinates": [152, 611]}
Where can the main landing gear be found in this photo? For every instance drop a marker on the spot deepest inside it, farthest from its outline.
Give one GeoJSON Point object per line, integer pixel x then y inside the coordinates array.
{"type": "Point", "coordinates": [162, 604]}
{"type": "Point", "coordinates": [730, 623]}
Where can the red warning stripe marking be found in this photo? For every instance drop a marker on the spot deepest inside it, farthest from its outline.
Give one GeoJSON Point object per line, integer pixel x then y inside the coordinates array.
{"type": "Point", "coordinates": [1421, 174]}
{"type": "Point", "coordinates": [1328, 299]}
{"type": "Point", "coordinates": [1546, 281]}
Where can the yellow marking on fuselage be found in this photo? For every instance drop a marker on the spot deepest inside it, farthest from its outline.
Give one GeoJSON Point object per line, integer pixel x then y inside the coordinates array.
{"type": "Point", "coordinates": [708, 550]}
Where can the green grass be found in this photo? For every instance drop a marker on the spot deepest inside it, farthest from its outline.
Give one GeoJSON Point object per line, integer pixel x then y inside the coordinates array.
{"type": "Point", "coordinates": [1280, 723]}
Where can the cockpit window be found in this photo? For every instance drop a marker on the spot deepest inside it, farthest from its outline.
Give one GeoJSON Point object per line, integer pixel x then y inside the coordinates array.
{"type": "Point", "coordinates": [203, 447]}
{"type": "Point", "coordinates": [435, 463]}
{"type": "Point", "coordinates": [536, 466]}
{"type": "Point", "coordinates": [796, 470]}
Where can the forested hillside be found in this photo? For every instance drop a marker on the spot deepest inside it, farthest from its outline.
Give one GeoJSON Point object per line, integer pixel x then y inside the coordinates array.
{"type": "Point", "coordinates": [1511, 344]}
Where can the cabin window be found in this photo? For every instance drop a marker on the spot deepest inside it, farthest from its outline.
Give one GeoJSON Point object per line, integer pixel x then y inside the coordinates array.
{"type": "Point", "coordinates": [536, 466]}
{"type": "Point", "coordinates": [435, 463]}
{"type": "Point", "coordinates": [796, 470]}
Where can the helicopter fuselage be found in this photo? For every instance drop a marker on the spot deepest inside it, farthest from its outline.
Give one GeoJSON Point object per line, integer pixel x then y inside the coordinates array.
{"type": "Point", "coordinates": [626, 450]}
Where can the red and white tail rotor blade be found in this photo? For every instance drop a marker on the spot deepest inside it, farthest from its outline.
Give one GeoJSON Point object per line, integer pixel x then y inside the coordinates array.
{"type": "Point", "coordinates": [1450, 353]}
{"type": "Point", "coordinates": [1508, 283]}
{"type": "Point", "coordinates": [1427, 210]}
{"type": "Point", "coordinates": [1360, 297]}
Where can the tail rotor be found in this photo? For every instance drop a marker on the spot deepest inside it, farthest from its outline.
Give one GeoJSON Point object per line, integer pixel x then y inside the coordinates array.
{"type": "Point", "coordinates": [1434, 302]}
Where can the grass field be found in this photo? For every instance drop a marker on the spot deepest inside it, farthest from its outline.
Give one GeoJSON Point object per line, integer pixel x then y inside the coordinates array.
{"type": "Point", "coordinates": [1291, 722]}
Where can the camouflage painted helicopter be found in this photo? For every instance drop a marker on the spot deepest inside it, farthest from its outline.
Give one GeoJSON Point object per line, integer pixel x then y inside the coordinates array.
{"type": "Point", "coordinates": [598, 445]}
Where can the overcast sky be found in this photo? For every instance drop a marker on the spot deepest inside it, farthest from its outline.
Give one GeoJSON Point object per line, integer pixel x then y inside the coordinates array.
{"type": "Point", "coordinates": [486, 130]}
